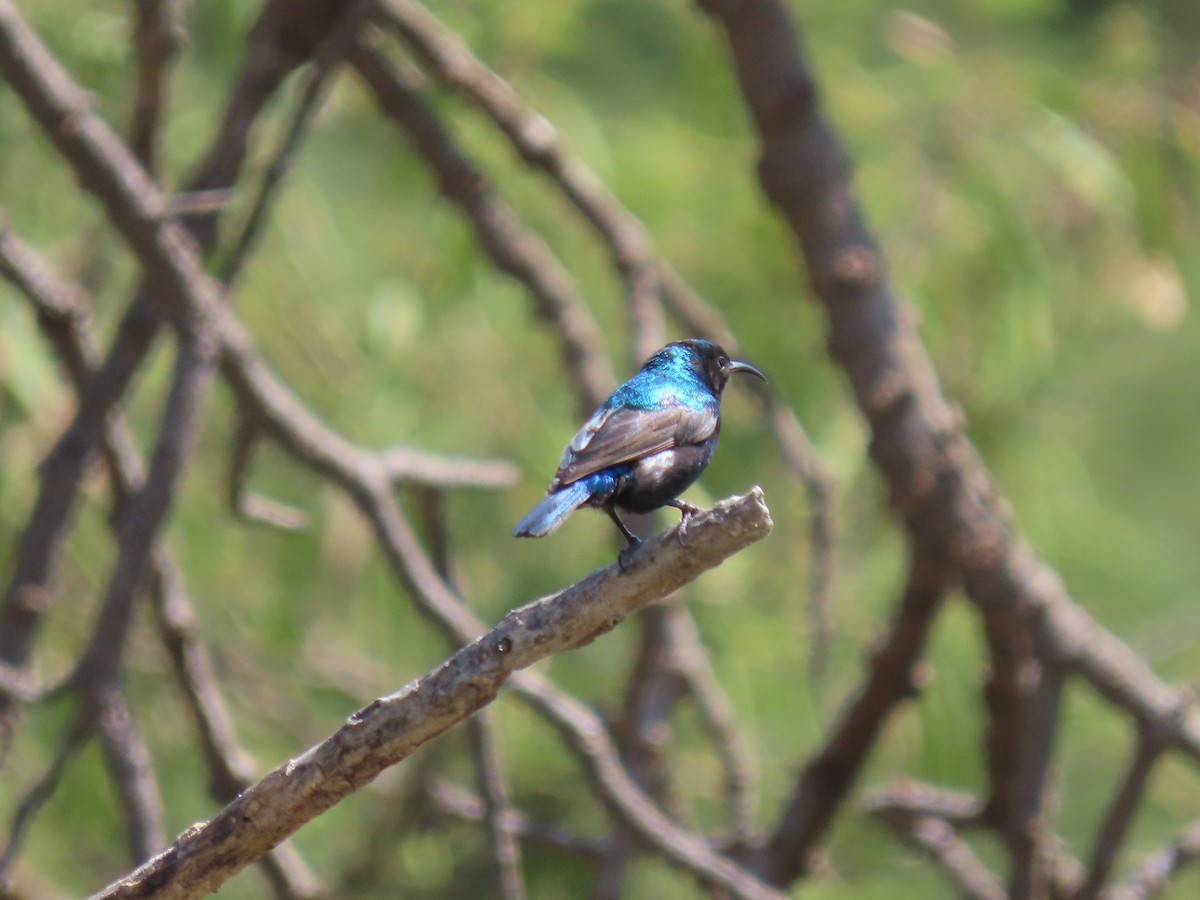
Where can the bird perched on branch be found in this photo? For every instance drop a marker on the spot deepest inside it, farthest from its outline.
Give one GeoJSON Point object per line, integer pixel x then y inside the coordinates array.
{"type": "Point", "coordinates": [646, 444]}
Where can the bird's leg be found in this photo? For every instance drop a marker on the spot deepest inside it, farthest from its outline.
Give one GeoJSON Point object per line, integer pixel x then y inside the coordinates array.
{"type": "Point", "coordinates": [634, 540]}
{"type": "Point", "coordinates": [629, 535]}
{"type": "Point", "coordinates": [686, 511]}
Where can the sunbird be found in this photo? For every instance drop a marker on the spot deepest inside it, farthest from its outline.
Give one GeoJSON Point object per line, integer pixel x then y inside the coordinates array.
{"type": "Point", "coordinates": [646, 444]}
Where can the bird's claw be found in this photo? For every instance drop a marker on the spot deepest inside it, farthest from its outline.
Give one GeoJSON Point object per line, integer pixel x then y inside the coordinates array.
{"type": "Point", "coordinates": [625, 557]}
{"type": "Point", "coordinates": [681, 531]}
{"type": "Point", "coordinates": [686, 511]}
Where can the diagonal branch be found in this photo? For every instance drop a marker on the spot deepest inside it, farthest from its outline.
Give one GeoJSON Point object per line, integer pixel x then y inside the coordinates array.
{"type": "Point", "coordinates": [937, 481]}
{"type": "Point", "coordinates": [132, 772]}
{"type": "Point", "coordinates": [391, 728]}
{"type": "Point", "coordinates": [1119, 817]}
{"type": "Point", "coordinates": [829, 775]}
{"type": "Point", "coordinates": [642, 731]}
{"type": "Point", "coordinates": [37, 796]}
{"type": "Point", "coordinates": [61, 313]}
{"type": "Point", "coordinates": [502, 235]}
{"type": "Point", "coordinates": [941, 842]}
{"type": "Point", "coordinates": [279, 42]}
{"type": "Point", "coordinates": [694, 665]}
{"type": "Point", "coordinates": [539, 145]}
{"type": "Point", "coordinates": [1151, 877]}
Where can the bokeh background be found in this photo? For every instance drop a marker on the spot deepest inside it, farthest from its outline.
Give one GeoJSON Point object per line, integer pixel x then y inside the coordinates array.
{"type": "Point", "coordinates": [1031, 169]}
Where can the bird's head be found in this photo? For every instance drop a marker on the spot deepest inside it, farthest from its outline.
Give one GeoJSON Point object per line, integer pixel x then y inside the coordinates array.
{"type": "Point", "coordinates": [709, 361]}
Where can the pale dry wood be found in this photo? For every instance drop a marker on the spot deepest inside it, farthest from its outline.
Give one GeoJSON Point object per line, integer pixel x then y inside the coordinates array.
{"type": "Point", "coordinates": [391, 728]}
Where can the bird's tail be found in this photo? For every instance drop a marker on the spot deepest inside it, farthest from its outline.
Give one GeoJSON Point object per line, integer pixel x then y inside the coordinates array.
{"type": "Point", "coordinates": [552, 511]}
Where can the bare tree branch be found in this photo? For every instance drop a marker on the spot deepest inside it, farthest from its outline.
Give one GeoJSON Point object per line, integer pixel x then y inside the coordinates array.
{"type": "Point", "coordinates": [392, 727]}
{"type": "Point", "coordinates": [368, 482]}
{"type": "Point", "coordinates": [497, 806]}
{"type": "Point", "coordinates": [279, 42]}
{"type": "Point", "coordinates": [537, 142]}
{"type": "Point", "coordinates": [332, 49]}
{"type": "Point", "coordinates": [491, 779]}
{"type": "Point", "coordinates": [1119, 818]}
{"type": "Point", "coordinates": [62, 317]}
{"type": "Point", "coordinates": [133, 774]}
{"type": "Point", "coordinates": [1153, 876]}
{"type": "Point", "coordinates": [156, 41]}
{"type": "Point", "coordinates": [957, 522]}
{"type": "Point", "coordinates": [805, 464]}
{"type": "Point", "coordinates": [937, 481]}
{"type": "Point", "coordinates": [251, 507]}
{"type": "Point", "coordinates": [37, 796]}
{"type": "Point", "coordinates": [139, 521]}
{"type": "Point", "coordinates": [691, 660]}
{"type": "Point", "coordinates": [642, 732]}
{"type": "Point", "coordinates": [451, 800]}
{"type": "Point", "coordinates": [829, 775]}
{"type": "Point", "coordinates": [513, 248]}
{"type": "Point", "coordinates": [951, 855]}
{"type": "Point", "coordinates": [404, 465]}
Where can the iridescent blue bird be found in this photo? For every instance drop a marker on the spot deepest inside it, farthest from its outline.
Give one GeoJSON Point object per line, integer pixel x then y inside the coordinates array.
{"type": "Point", "coordinates": [646, 444]}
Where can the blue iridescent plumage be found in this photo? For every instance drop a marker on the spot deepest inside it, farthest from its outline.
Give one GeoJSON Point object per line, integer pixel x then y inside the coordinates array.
{"type": "Point", "coordinates": [646, 444]}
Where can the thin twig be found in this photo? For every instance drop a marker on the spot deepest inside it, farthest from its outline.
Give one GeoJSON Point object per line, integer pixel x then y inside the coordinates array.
{"type": "Point", "coordinates": [805, 464]}
{"type": "Point", "coordinates": [251, 507]}
{"type": "Point", "coordinates": [642, 732]}
{"type": "Point", "coordinates": [498, 817]}
{"type": "Point", "coordinates": [691, 660]}
{"type": "Point", "coordinates": [329, 55]}
{"type": "Point", "coordinates": [72, 741]}
{"type": "Point", "coordinates": [405, 465]}
{"type": "Point", "coordinates": [230, 769]}
{"type": "Point", "coordinates": [139, 521]}
{"type": "Point", "coordinates": [1117, 821]}
{"type": "Point", "coordinates": [491, 780]}
{"type": "Point", "coordinates": [940, 841]}
{"type": "Point", "coordinates": [30, 587]}
{"type": "Point", "coordinates": [156, 41]}
{"type": "Point", "coordinates": [132, 771]}
{"type": "Point", "coordinates": [1153, 875]}
{"type": "Point", "coordinates": [451, 800]}
{"type": "Point", "coordinates": [961, 810]}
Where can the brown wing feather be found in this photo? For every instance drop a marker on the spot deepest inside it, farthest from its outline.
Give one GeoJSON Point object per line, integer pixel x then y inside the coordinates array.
{"type": "Point", "coordinates": [625, 434]}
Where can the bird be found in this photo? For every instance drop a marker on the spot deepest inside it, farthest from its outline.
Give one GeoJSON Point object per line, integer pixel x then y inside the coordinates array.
{"type": "Point", "coordinates": [646, 444]}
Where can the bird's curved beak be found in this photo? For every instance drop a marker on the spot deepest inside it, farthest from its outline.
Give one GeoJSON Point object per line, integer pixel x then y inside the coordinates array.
{"type": "Point", "coordinates": [739, 366]}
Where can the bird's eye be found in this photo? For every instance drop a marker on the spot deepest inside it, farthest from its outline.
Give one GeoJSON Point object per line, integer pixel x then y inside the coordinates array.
{"type": "Point", "coordinates": [722, 361]}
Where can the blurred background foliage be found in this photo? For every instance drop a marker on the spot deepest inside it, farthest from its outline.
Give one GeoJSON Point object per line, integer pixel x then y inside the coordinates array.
{"type": "Point", "coordinates": [1032, 171]}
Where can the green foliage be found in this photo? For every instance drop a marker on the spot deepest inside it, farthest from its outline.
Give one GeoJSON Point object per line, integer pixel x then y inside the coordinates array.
{"type": "Point", "coordinates": [1033, 178]}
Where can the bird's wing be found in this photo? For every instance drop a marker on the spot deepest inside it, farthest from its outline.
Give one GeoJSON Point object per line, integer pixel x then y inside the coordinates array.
{"type": "Point", "coordinates": [614, 436]}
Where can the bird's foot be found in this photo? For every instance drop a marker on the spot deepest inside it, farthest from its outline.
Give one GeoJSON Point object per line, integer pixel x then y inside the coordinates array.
{"type": "Point", "coordinates": [625, 557]}
{"type": "Point", "coordinates": [686, 511]}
